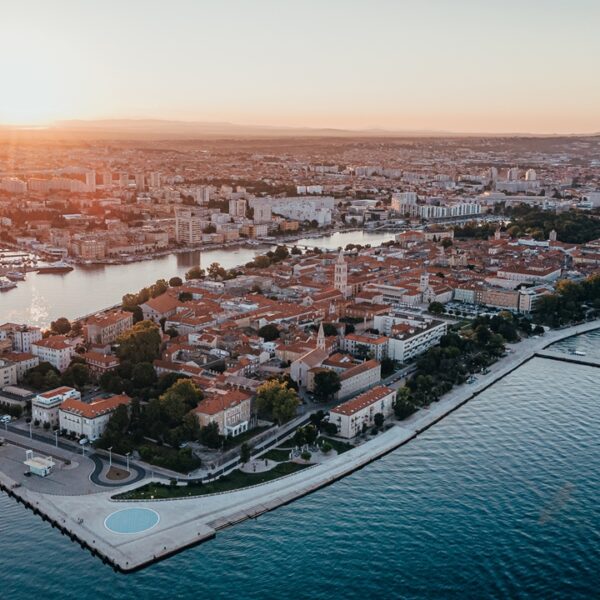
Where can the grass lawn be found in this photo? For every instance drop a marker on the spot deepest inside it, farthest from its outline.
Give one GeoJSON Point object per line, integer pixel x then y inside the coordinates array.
{"type": "Point", "coordinates": [277, 454]}
{"type": "Point", "coordinates": [234, 481]}
{"type": "Point", "coordinates": [339, 446]}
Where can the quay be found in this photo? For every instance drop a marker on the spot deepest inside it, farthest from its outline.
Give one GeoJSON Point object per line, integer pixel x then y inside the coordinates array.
{"type": "Point", "coordinates": [184, 522]}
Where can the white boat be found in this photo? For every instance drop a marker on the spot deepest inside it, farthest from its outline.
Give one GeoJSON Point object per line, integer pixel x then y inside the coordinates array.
{"type": "Point", "coordinates": [6, 285]}
{"type": "Point", "coordinates": [16, 276]}
{"type": "Point", "coordinates": [579, 353]}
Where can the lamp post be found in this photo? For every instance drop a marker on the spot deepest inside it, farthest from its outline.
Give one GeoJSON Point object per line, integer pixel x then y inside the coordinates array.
{"type": "Point", "coordinates": [56, 438]}
{"type": "Point", "coordinates": [30, 434]}
{"type": "Point", "coordinates": [127, 459]}
{"type": "Point", "coordinates": [110, 457]}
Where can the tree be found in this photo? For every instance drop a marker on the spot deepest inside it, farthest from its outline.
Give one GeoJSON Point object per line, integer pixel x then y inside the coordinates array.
{"type": "Point", "coordinates": [446, 243]}
{"type": "Point", "coordinates": [216, 271]}
{"type": "Point", "coordinates": [269, 332]}
{"type": "Point", "coordinates": [143, 375]}
{"type": "Point", "coordinates": [141, 343]}
{"type": "Point", "coordinates": [404, 406]}
{"type": "Point", "coordinates": [245, 453]}
{"type": "Point", "coordinates": [436, 308]}
{"type": "Point", "coordinates": [277, 401]}
{"type": "Point", "coordinates": [296, 251]}
{"type": "Point", "coordinates": [179, 399]}
{"type": "Point", "coordinates": [329, 329]}
{"type": "Point", "coordinates": [114, 434]}
{"type": "Point", "coordinates": [175, 282]}
{"type": "Point", "coordinates": [388, 366]}
{"type": "Point", "coordinates": [327, 384]}
{"type": "Point", "coordinates": [61, 326]}
{"type": "Point", "coordinates": [195, 273]}
{"type": "Point", "coordinates": [38, 377]}
{"type": "Point", "coordinates": [137, 312]}
{"type": "Point", "coordinates": [209, 435]}
{"type": "Point", "coordinates": [378, 419]}
{"type": "Point", "coordinates": [76, 375]}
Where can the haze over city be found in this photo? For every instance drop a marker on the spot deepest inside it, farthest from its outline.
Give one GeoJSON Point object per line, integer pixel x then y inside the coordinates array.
{"type": "Point", "coordinates": [461, 66]}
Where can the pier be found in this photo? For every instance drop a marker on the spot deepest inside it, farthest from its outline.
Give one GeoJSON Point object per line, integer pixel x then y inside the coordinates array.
{"type": "Point", "coordinates": [570, 358]}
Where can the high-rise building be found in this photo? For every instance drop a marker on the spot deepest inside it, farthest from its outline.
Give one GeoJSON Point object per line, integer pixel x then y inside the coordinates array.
{"type": "Point", "coordinates": [140, 181]}
{"type": "Point", "coordinates": [237, 207]}
{"type": "Point", "coordinates": [189, 224]}
{"type": "Point", "coordinates": [202, 194]}
{"type": "Point", "coordinates": [90, 181]}
{"type": "Point", "coordinates": [530, 175]}
{"type": "Point", "coordinates": [262, 211]}
{"type": "Point", "coordinates": [513, 174]}
{"type": "Point", "coordinates": [124, 179]}
{"type": "Point", "coordinates": [155, 179]}
{"type": "Point", "coordinates": [107, 179]}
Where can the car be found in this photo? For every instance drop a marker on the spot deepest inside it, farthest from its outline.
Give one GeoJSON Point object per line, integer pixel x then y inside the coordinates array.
{"type": "Point", "coordinates": [5, 419]}
{"type": "Point", "coordinates": [83, 441]}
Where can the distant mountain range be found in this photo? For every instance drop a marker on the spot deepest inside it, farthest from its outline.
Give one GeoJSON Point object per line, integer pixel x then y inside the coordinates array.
{"type": "Point", "coordinates": [168, 129]}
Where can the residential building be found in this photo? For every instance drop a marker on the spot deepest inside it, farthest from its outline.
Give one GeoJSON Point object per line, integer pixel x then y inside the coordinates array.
{"type": "Point", "coordinates": [105, 328]}
{"type": "Point", "coordinates": [353, 416]}
{"type": "Point", "coordinates": [45, 407]}
{"type": "Point", "coordinates": [230, 409]}
{"type": "Point", "coordinates": [56, 350]}
{"type": "Point", "coordinates": [88, 420]}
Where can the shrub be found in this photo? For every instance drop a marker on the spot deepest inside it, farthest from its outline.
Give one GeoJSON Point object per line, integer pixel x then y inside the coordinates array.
{"type": "Point", "coordinates": [306, 455]}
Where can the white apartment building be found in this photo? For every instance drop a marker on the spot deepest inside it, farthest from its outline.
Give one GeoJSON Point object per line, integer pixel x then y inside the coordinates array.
{"type": "Point", "coordinates": [351, 416]}
{"type": "Point", "coordinates": [358, 378]}
{"type": "Point", "coordinates": [45, 407]}
{"type": "Point", "coordinates": [8, 373]}
{"type": "Point", "coordinates": [88, 420]}
{"type": "Point", "coordinates": [189, 224]}
{"type": "Point", "coordinates": [55, 350]}
{"type": "Point", "coordinates": [22, 336]}
{"type": "Point", "coordinates": [409, 336]}
{"type": "Point", "coordinates": [13, 185]}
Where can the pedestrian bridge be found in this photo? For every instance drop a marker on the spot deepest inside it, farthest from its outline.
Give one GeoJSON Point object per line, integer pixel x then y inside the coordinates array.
{"type": "Point", "coordinates": [570, 358]}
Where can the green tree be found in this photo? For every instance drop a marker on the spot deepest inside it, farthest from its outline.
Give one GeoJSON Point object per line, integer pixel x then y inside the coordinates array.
{"type": "Point", "coordinates": [404, 405]}
{"type": "Point", "coordinates": [143, 375]}
{"type": "Point", "coordinates": [245, 453]}
{"type": "Point", "coordinates": [61, 326]}
{"type": "Point", "coordinates": [216, 271]}
{"type": "Point", "coordinates": [195, 273]}
{"type": "Point", "coordinates": [378, 419]}
{"type": "Point", "coordinates": [327, 384]}
{"type": "Point", "coordinates": [76, 375]}
{"type": "Point", "coordinates": [175, 282]}
{"type": "Point", "coordinates": [269, 332]}
{"type": "Point", "coordinates": [276, 400]}
{"type": "Point", "coordinates": [436, 308]}
{"type": "Point", "coordinates": [179, 399]}
{"type": "Point", "coordinates": [329, 329]}
{"type": "Point", "coordinates": [209, 435]}
{"type": "Point", "coordinates": [141, 343]}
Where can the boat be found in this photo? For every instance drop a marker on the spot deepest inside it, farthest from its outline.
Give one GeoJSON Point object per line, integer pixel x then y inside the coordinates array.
{"type": "Point", "coordinates": [579, 353]}
{"type": "Point", "coordinates": [16, 276]}
{"type": "Point", "coordinates": [6, 285]}
{"type": "Point", "coordinates": [56, 267]}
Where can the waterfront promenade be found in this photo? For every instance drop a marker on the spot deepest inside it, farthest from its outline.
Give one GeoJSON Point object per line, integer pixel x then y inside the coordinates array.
{"type": "Point", "coordinates": [185, 522]}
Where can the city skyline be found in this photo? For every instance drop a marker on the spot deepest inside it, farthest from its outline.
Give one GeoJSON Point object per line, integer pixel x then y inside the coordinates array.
{"type": "Point", "coordinates": [457, 67]}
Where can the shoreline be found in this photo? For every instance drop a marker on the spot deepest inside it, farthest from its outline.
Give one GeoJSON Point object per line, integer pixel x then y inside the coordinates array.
{"type": "Point", "coordinates": [186, 522]}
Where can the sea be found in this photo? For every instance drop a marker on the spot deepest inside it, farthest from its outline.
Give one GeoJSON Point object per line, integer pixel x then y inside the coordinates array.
{"type": "Point", "coordinates": [498, 500]}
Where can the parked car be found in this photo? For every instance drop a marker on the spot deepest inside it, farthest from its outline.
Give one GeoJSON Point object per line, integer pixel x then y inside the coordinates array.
{"type": "Point", "coordinates": [5, 419]}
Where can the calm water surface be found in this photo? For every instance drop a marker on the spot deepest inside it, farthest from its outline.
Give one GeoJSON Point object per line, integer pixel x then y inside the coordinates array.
{"type": "Point", "coordinates": [43, 298]}
{"type": "Point", "coordinates": [499, 500]}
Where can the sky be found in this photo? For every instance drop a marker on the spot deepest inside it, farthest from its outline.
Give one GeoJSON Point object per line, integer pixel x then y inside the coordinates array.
{"type": "Point", "coordinates": [528, 66]}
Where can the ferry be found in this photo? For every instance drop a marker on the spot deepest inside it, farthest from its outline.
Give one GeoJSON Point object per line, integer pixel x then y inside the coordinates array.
{"type": "Point", "coordinates": [56, 267]}
{"type": "Point", "coordinates": [6, 285]}
{"type": "Point", "coordinates": [16, 276]}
